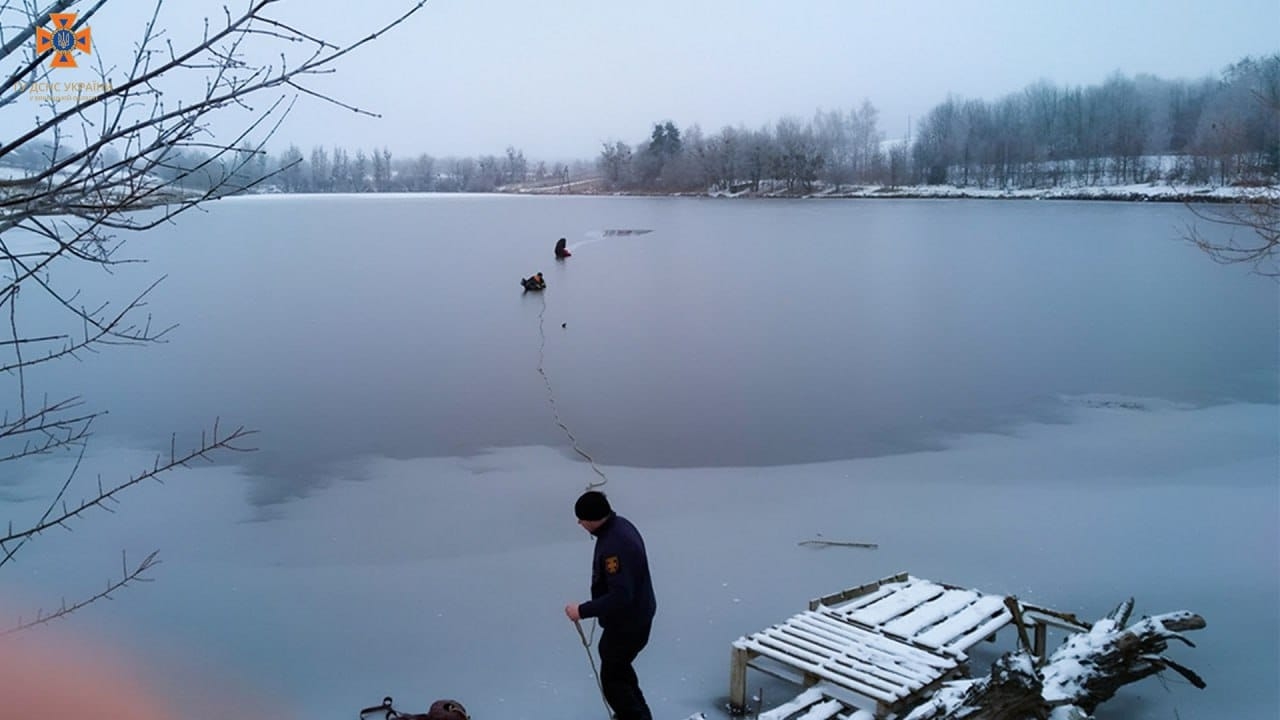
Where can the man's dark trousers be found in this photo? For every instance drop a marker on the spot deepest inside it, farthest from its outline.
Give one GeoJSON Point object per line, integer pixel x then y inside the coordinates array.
{"type": "Point", "coordinates": [618, 649]}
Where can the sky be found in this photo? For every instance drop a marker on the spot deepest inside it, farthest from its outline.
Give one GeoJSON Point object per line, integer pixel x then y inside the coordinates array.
{"type": "Point", "coordinates": [558, 79]}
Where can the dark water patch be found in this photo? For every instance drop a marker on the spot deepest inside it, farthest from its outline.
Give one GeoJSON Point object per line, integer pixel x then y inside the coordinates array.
{"type": "Point", "coordinates": [734, 334]}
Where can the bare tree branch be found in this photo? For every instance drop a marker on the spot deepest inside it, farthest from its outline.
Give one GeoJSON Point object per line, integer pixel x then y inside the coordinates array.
{"type": "Point", "coordinates": [128, 153]}
{"type": "Point", "coordinates": [1253, 227]}
{"type": "Point", "coordinates": [53, 517]}
{"type": "Point", "coordinates": [1257, 215]}
{"type": "Point", "coordinates": [129, 576]}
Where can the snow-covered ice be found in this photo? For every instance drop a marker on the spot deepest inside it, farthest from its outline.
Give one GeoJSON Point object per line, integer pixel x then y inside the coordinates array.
{"type": "Point", "coordinates": [445, 577]}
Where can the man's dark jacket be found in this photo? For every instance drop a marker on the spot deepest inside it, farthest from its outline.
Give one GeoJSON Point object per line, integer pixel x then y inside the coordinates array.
{"type": "Point", "coordinates": [621, 590]}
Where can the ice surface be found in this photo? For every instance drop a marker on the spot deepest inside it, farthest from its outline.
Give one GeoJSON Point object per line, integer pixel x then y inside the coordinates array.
{"type": "Point", "coordinates": [446, 577]}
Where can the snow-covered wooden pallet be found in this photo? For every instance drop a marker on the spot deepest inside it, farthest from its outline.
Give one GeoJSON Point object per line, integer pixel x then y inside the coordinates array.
{"type": "Point", "coordinates": [944, 618]}
{"type": "Point", "coordinates": [885, 642]}
{"type": "Point", "coordinates": [820, 646]}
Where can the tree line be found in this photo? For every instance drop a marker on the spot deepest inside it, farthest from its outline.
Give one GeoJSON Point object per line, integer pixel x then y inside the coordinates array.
{"type": "Point", "coordinates": [1143, 129]}
{"type": "Point", "coordinates": [834, 147]}
{"type": "Point", "coordinates": [1126, 130]}
{"type": "Point", "coordinates": [338, 169]}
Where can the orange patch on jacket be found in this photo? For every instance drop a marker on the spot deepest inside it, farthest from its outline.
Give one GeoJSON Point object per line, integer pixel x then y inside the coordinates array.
{"type": "Point", "coordinates": [611, 564]}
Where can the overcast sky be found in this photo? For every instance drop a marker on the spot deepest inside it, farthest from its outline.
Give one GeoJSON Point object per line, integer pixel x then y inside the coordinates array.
{"type": "Point", "coordinates": [557, 78]}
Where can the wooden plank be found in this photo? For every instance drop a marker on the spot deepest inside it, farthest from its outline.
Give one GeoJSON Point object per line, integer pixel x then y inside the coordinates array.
{"type": "Point", "coordinates": [836, 632]}
{"type": "Point", "coordinates": [1015, 610]}
{"type": "Point", "coordinates": [840, 627]}
{"type": "Point", "coordinates": [851, 593]}
{"type": "Point", "coordinates": [821, 646]}
{"type": "Point", "coordinates": [953, 632]}
{"type": "Point", "coordinates": [851, 683]}
{"type": "Point", "coordinates": [857, 668]}
{"type": "Point", "coordinates": [924, 692]}
{"type": "Point", "coordinates": [978, 634]}
{"type": "Point", "coordinates": [860, 601]}
{"type": "Point", "coordinates": [853, 663]}
{"type": "Point", "coordinates": [823, 711]}
{"type": "Point", "coordinates": [866, 667]}
{"type": "Point", "coordinates": [1054, 618]}
{"type": "Point", "coordinates": [800, 702]}
{"type": "Point", "coordinates": [894, 662]}
{"type": "Point", "coordinates": [905, 680]}
{"type": "Point", "coordinates": [895, 604]}
{"type": "Point", "coordinates": [830, 648]}
{"type": "Point", "coordinates": [784, 650]}
{"type": "Point", "coordinates": [932, 612]}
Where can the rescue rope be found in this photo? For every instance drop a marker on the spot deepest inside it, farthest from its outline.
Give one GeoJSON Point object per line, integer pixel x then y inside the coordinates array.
{"type": "Point", "coordinates": [555, 410]}
{"type": "Point", "coordinates": [551, 399]}
{"type": "Point", "coordinates": [586, 645]}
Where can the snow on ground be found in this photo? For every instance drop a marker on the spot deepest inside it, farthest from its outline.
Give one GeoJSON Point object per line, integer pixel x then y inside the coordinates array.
{"type": "Point", "coordinates": [1136, 191]}
{"type": "Point", "coordinates": [446, 577]}
{"type": "Point", "coordinates": [1139, 191]}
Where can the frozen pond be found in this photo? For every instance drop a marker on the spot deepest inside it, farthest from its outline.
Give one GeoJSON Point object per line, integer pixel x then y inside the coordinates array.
{"type": "Point", "coordinates": [1055, 400]}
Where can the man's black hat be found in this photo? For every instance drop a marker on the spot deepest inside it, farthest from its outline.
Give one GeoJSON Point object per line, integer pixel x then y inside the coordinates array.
{"type": "Point", "coordinates": [592, 506]}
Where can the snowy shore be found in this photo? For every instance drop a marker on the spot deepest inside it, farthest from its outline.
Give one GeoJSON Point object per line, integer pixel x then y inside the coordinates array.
{"type": "Point", "coordinates": [1137, 192]}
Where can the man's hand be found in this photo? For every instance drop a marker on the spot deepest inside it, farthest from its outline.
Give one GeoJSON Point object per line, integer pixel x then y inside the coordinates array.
{"type": "Point", "coordinates": [571, 610]}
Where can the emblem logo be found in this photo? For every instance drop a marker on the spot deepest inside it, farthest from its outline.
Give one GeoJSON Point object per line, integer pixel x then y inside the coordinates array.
{"type": "Point", "coordinates": [62, 40]}
{"type": "Point", "coordinates": [611, 564]}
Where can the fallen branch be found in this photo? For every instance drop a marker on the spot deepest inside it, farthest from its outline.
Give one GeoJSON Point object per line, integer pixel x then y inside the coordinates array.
{"type": "Point", "coordinates": [838, 543]}
{"type": "Point", "coordinates": [1084, 672]}
{"type": "Point", "coordinates": [1090, 667]}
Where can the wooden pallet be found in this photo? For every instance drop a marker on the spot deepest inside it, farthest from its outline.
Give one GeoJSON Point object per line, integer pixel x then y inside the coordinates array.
{"type": "Point", "coordinates": [820, 646]}
{"type": "Point", "coordinates": [886, 642]}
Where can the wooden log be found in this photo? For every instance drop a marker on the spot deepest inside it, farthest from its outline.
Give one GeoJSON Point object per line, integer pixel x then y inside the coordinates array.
{"type": "Point", "coordinates": [1012, 691]}
{"type": "Point", "coordinates": [1015, 610]}
{"type": "Point", "coordinates": [1116, 656]}
{"type": "Point", "coordinates": [1084, 672]}
{"type": "Point", "coordinates": [838, 543]}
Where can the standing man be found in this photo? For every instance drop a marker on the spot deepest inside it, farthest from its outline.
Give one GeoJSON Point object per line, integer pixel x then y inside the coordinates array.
{"type": "Point", "coordinates": [621, 598]}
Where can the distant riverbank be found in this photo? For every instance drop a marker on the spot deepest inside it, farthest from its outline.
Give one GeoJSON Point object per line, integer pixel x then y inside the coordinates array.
{"type": "Point", "coordinates": [1149, 192]}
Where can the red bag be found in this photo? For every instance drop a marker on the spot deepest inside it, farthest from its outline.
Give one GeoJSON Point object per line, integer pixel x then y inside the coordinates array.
{"type": "Point", "coordinates": [446, 710]}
